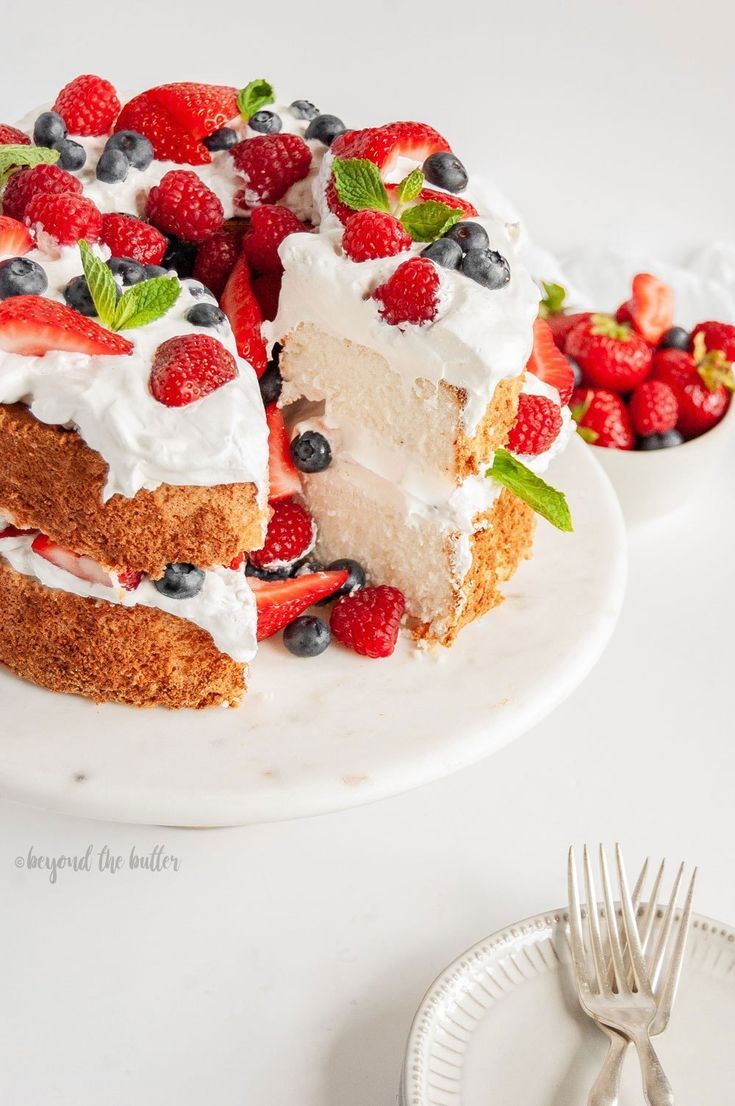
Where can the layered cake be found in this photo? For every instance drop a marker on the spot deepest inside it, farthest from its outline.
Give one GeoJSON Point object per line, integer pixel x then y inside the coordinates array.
{"type": "Point", "coordinates": [251, 360]}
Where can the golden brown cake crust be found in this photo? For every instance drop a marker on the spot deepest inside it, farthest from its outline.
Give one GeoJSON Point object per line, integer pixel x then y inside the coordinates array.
{"type": "Point", "coordinates": [492, 433]}
{"type": "Point", "coordinates": [51, 481]}
{"type": "Point", "coordinates": [108, 653]}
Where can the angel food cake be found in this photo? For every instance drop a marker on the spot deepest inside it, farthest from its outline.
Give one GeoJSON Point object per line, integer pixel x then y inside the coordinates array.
{"type": "Point", "coordinates": [250, 361]}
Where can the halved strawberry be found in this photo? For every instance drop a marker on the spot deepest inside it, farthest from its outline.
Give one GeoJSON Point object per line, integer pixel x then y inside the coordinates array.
{"type": "Point", "coordinates": [15, 239]}
{"type": "Point", "coordinates": [385, 145]}
{"type": "Point", "coordinates": [14, 532]}
{"type": "Point", "coordinates": [650, 308]}
{"type": "Point", "coordinates": [284, 476]}
{"type": "Point", "coordinates": [84, 568]}
{"type": "Point", "coordinates": [176, 117]}
{"type": "Point", "coordinates": [240, 305]}
{"type": "Point", "coordinates": [442, 197]}
{"type": "Point", "coordinates": [33, 325]}
{"type": "Point", "coordinates": [199, 109]}
{"type": "Point", "coordinates": [281, 601]}
{"type": "Point", "coordinates": [548, 363]}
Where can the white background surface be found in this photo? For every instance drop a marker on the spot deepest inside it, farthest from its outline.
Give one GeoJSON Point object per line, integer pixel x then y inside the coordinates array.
{"type": "Point", "coordinates": [282, 964]}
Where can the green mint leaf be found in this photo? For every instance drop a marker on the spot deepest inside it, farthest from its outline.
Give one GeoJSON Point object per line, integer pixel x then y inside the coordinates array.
{"type": "Point", "coordinates": [545, 500]}
{"type": "Point", "coordinates": [145, 302]}
{"type": "Point", "coordinates": [18, 157]}
{"type": "Point", "coordinates": [430, 220]}
{"type": "Point", "coordinates": [255, 96]}
{"type": "Point", "coordinates": [554, 299]}
{"type": "Point", "coordinates": [101, 283]}
{"type": "Point", "coordinates": [410, 187]}
{"type": "Point", "coordinates": [359, 184]}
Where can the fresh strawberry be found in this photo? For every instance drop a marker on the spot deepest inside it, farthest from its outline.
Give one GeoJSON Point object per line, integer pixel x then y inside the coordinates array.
{"type": "Point", "coordinates": [15, 238]}
{"type": "Point", "coordinates": [181, 204]}
{"type": "Point", "coordinates": [650, 309]}
{"type": "Point", "coordinates": [271, 164]}
{"type": "Point", "coordinates": [14, 532]}
{"type": "Point", "coordinates": [176, 117]}
{"type": "Point", "coordinates": [65, 218]}
{"type": "Point", "coordinates": [370, 234]}
{"type": "Point", "coordinates": [188, 367]}
{"type": "Point", "coordinates": [562, 325]}
{"type": "Point", "coordinates": [267, 289]}
{"type": "Point", "coordinates": [368, 620]}
{"type": "Point", "coordinates": [216, 259]}
{"type": "Point", "coordinates": [281, 601]}
{"type": "Point", "coordinates": [88, 105]}
{"type": "Point", "coordinates": [624, 314]}
{"type": "Point", "coordinates": [33, 325]}
{"type": "Point", "coordinates": [385, 145]}
{"type": "Point", "coordinates": [242, 309]}
{"type": "Point", "coordinates": [719, 336]}
{"type": "Point", "coordinates": [269, 225]}
{"type": "Point", "coordinates": [433, 194]}
{"type": "Point", "coordinates": [130, 237]}
{"type": "Point", "coordinates": [24, 184]}
{"type": "Point", "coordinates": [290, 536]}
{"type": "Point", "coordinates": [602, 418]}
{"type": "Point", "coordinates": [548, 364]}
{"type": "Point", "coordinates": [653, 408]}
{"type": "Point", "coordinates": [700, 407]}
{"type": "Point", "coordinates": [283, 475]}
{"type": "Point", "coordinates": [199, 109]}
{"type": "Point", "coordinates": [702, 383]}
{"type": "Point", "coordinates": [129, 579]}
{"type": "Point", "coordinates": [84, 568]}
{"type": "Point", "coordinates": [410, 294]}
{"type": "Point", "coordinates": [537, 425]}
{"type": "Point", "coordinates": [11, 136]}
{"type": "Point", "coordinates": [610, 355]}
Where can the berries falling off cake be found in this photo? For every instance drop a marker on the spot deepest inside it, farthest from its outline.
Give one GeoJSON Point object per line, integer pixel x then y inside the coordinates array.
{"type": "Point", "coordinates": [251, 361]}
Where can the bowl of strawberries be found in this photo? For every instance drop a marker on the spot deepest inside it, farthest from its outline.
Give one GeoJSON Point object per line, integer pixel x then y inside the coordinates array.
{"type": "Point", "coordinates": [651, 398]}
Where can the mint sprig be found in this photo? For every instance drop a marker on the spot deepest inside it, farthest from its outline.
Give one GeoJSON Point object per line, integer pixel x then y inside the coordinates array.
{"type": "Point", "coordinates": [410, 187]}
{"type": "Point", "coordinates": [360, 186]}
{"type": "Point", "coordinates": [254, 96]}
{"type": "Point", "coordinates": [138, 305]}
{"type": "Point", "coordinates": [430, 220]}
{"type": "Point", "coordinates": [540, 496]}
{"type": "Point", "coordinates": [20, 157]}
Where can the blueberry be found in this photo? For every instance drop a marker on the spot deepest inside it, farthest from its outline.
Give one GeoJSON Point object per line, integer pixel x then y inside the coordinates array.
{"type": "Point", "coordinates": [307, 636]}
{"type": "Point", "coordinates": [198, 290]}
{"type": "Point", "coordinates": [180, 581]}
{"type": "Point", "coordinates": [222, 139]}
{"type": "Point", "coordinates": [446, 171]}
{"type": "Point", "coordinates": [325, 128]}
{"type": "Point", "coordinates": [205, 314]}
{"type": "Point", "coordinates": [78, 296]}
{"type": "Point", "coordinates": [311, 451]}
{"type": "Point", "coordinates": [49, 129]}
{"type": "Point", "coordinates": [354, 581]}
{"type": "Point", "coordinates": [576, 370]}
{"type": "Point", "coordinates": [307, 568]}
{"type": "Point", "coordinates": [264, 574]}
{"type": "Point", "coordinates": [487, 267]}
{"type": "Point", "coordinates": [304, 109]}
{"type": "Point", "coordinates": [72, 155]}
{"type": "Point", "coordinates": [660, 441]}
{"type": "Point", "coordinates": [112, 166]}
{"type": "Point", "coordinates": [127, 270]}
{"type": "Point", "coordinates": [271, 383]}
{"type": "Point", "coordinates": [470, 236]}
{"type": "Point", "coordinates": [136, 147]}
{"type": "Point", "coordinates": [180, 256]}
{"type": "Point", "coordinates": [152, 271]}
{"type": "Point", "coordinates": [19, 276]}
{"type": "Point", "coordinates": [444, 252]}
{"type": "Point", "coordinates": [675, 338]}
{"type": "Point", "coordinates": [265, 122]}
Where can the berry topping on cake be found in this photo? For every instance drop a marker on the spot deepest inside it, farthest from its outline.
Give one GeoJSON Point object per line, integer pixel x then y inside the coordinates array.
{"type": "Point", "coordinates": [206, 314]}
{"type": "Point", "coordinates": [129, 579]}
{"type": "Point", "coordinates": [223, 139]}
{"type": "Point", "coordinates": [717, 336]}
{"type": "Point", "coordinates": [325, 128]}
{"type": "Point", "coordinates": [112, 167]}
{"type": "Point", "coordinates": [548, 364]}
{"type": "Point", "coordinates": [49, 129]}
{"type": "Point", "coordinates": [411, 293]}
{"type": "Point", "coordinates": [265, 122]}
{"type": "Point", "coordinates": [11, 136]}
{"type": "Point", "coordinates": [180, 581]}
{"type": "Point", "coordinates": [19, 276]}
{"type": "Point", "coordinates": [182, 205]}
{"type": "Point", "coordinates": [488, 267]}
{"type": "Point", "coordinates": [189, 367]}
{"type": "Point", "coordinates": [290, 536]}
{"type": "Point", "coordinates": [176, 117]}
{"type": "Point", "coordinates": [271, 382]}
{"type": "Point", "coordinates": [311, 451]}
{"type": "Point", "coordinates": [653, 408]}
{"type": "Point", "coordinates": [280, 602]}
{"type": "Point", "coordinates": [15, 238]}
{"type": "Point", "coordinates": [78, 296]}
{"type": "Point", "coordinates": [445, 170]}
{"type": "Point", "coordinates": [88, 105]}
{"type": "Point", "coordinates": [34, 325]}
{"type": "Point", "coordinates": [355, 576]}
{"type": "Point", "coordinates": [368, 621]}
{"type": "Point", "coordinates": [127, 236]}
{"type": "Point", "coordinates": [307, 636]}
{"type": "Point", "coordinates": [72, 155]}
{"type": "Point", "coordinates": [267, 289]}
{"type": "Point", "coordinates": [469, 236]}
{"type": "Point", "coordinates": [537, 425]}
{"type": "Point", "coordinates": [304, 109]}
{"type": "Point", "coordinates": [444, 252]}
{"type": "Point", "coordinates": [239, 303]}
{"type": "Point", "coordinates": [271, 164]}
{"type": "Point", "coordinates": [283, 475]}
{"type": "Point", "coordinates": [269, 225]}
{"type": "Point", "coordinates": [216, 259]}
{"type": "Point", "coordinates": [84, 568]}
{"type": "Point", "coordinates": [371, 234]}
{"type": "Point", "coordinates": [136, 148]}
{"type": "Point", "coordinates": [610, 354]}
{"type": "Point", "coordinates": [65, 218]}
{"type": "Point", "coordinates": [602, 418]}
{"type": "Point", "coordinates": [650, 308]}
{"type": "Point", "coordinates": [385, 145]}
{"type": "Point", "coordinates": [27, 183]}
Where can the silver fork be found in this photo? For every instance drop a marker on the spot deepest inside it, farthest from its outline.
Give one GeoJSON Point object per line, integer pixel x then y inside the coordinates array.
{"type": "Point", "coordinates": [610, 997]}
{"type": "Point", "coordinates": [606, 1088]}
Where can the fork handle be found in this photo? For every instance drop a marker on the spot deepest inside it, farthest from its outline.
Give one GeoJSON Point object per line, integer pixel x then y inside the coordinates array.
{"type": "Point", "coordinates": [606, 1088]}
{"type": "Point", "coordinates": [656, 1087]}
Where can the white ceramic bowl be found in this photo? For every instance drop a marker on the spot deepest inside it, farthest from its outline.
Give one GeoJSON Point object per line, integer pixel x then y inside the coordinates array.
{"type": "Point", "coordinates": [653, 484]}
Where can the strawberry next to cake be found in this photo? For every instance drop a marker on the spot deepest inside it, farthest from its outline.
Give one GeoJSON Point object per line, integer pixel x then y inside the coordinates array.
{"type": "Point", "coordinates": [259, 372]}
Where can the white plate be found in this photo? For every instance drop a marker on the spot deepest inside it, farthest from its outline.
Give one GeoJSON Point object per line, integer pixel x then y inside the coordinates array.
{"type": "Point", "coordinates": [502, 1025]}
{"type": "Point", "coordinates": [323, 734]}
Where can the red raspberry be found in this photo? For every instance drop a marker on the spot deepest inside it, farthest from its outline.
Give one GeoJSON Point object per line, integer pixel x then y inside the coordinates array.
{"type": "Point", "coordinates": [27, 183]}
{"type": "Point", "coordinates": [271, 163]}
{"type": "Point", "coordinates": [182, 205]}
{"type": "Point", "coordinates": [368, 621]}
{"type": "Point", "coordinates": [269, 225]}
{"type": "Point", "coordinates": [717, 336]}
{"type": "Point", "coordinates": [267, 289]}
{"type": "Point", "coordinates": [537, 425]}
{"type": "Point", "coordinates": [189, 367]}
{"type": "Point", "coordinates": [602, 418]}
{"type": "Point", "coordinates": [11, 136]}
{"type": "Point", "coordinates": [289, 537]}
{"type": "Point", "coordinates": [88, 105]}
{"type": "Point", "coordinates": [371, 234]}
{"type": "Point", "coordinates": [65, 218]}
{"type": "Point", "coordinates": [653, 408]}
{"type": "Point", "coordinates": [130, 237]}
{"type": "Point", "coordinates": [411, 293]}
{"type": "Point", "coordinates": [129, 579]}
{"type": "Point", "coordinates": [216, 259]}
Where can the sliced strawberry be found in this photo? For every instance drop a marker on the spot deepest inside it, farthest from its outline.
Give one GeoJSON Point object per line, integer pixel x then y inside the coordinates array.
{"type": "Point", "coordinates": [84, 568]}
{"type": "Point", "coordinates": [284, 476]}
{"type": "Point", "coordinates": [15, 239]}
{"type": "Point", "coordinates": [14, 532]}
{"type": "Point", "coordinates": [241, 307]}
{"type": "Point", "coordinates": [442, 197]}
{"type": "Point", "coordinates": [33, 325]}
{"type": "Point", "coordinates": [281, 601]}
{"type": "Point", "coordinates": [175, 117]}
{"type": "Point", "coordinates": [650, 308]}
{"type": "Point", "coordinates": [385, 145]}
{"type": "Point", "coordinates": [170, 143]}
{"type": "Point", "coordinates": [267, 289]}
{"type": "Point", "coordinates": [199, 109]}
{"type": "Point", "coordinates": [548, 364]}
